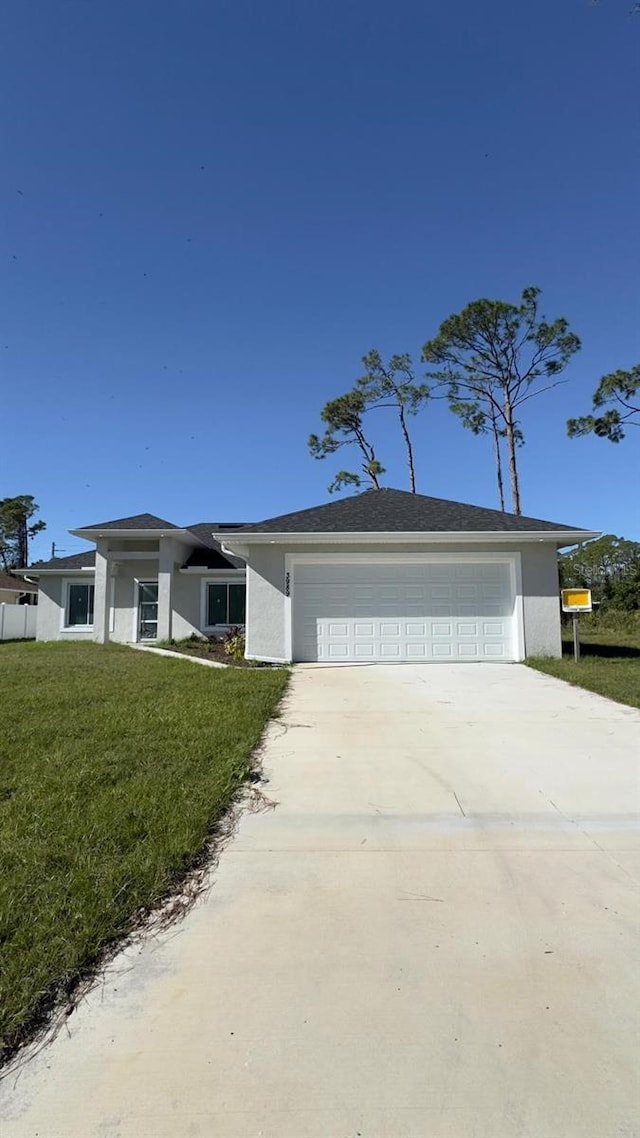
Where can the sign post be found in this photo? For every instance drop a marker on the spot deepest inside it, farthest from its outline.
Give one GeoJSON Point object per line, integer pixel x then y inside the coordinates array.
{"type": "Point", "coordinates": [576, 601]}
{"type": "Point", "coordinates": [576, 638]}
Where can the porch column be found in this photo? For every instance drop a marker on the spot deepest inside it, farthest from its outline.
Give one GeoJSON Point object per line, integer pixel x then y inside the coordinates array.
{"type": "Point", "coordinates": [102, 593]}
{"type": "Point", "coordinates": [165, 582]}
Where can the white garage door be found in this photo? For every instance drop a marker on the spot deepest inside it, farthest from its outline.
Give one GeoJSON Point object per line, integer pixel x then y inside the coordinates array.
{"type": "Point", "coordinates": [385, 611]}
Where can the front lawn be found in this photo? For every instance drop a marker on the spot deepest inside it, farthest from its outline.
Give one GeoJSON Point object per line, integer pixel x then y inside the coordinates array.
{"type": "Point", "coordinates": [609, 665]}
{"type": "Point", "coordinates": [114, 768]}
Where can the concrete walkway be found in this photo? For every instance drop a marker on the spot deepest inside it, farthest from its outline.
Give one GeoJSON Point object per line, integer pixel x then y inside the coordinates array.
{"type": "Point", "coordinates": [433, 935]}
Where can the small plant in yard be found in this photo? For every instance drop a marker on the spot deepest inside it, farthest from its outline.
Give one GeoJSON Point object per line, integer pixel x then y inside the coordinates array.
{"type": "Point", "coordinates": [227, 649]}
{"type": "Point", "coordinates": [234, 643]}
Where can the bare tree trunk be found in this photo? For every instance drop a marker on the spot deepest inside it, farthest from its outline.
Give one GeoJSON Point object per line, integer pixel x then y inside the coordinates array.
{"type": "Point", "coordinates": [370, 458]}
{"type": "Point", "coordinates": [407, 441]}
{"type": "Point", "coordinates": [498, 457]}
{"type": "Point", "coordinates": [23, 544]}
{"type": "Point", "coordinates": [511, 450]}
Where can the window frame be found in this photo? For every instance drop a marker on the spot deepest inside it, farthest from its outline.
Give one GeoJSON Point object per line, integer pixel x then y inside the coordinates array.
{"type": "Point", "coordinates": [64, 615]}
{"type": "Point", "coordinates": [224, 579]}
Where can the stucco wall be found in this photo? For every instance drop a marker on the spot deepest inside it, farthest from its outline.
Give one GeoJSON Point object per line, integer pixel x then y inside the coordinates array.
{"type": "Point", "coordinates": [124, 595]}
{"type": "Point", "coordinates": [266, 583]}
{"type": "Point", "coordinates": [186, 605]}
{"type": "Point", "coordinates": [50, 609]}
{"type": "Point", "coordinates": [186, 597]}
{"type": "Point", "coordinates": [541, 589]}
{"type": "Point", "coordinates": [265, 603]}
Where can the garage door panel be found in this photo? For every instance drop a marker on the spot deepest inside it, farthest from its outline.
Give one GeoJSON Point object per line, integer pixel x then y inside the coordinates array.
{"type": "Point", "coordinates": [466, 628]}
{"type": "Point", "coordinates": [416, 629]}
{"type": "Point", "coordinates": [417, 651]}
{"type": "Point", "coordinates": [441, 592]}
{"type": "Point", "coordinates": [495, 651]}
{"type": "Point", "coordinates": [442, 651]}
{"type": "Point", "coordinates": [469, 651]}
{"type": "Point", "coordinates": [361, 629]}
{"type": "Point", "coordinates": [422, 611]}
{"type": "Point", "coordinates": [497, 629]}
{"type": "Point", "coordinates": [442, 629]}
{"type": "Point", "coordinates": [389, 651]}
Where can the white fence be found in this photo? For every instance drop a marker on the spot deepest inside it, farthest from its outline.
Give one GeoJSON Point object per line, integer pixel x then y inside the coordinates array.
{"type": "Point", "coordinates": [18, 622]}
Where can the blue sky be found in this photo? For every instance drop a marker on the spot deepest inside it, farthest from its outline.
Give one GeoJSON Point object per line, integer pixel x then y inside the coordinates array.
{"type": "Point", "coordinates": [211, 210]}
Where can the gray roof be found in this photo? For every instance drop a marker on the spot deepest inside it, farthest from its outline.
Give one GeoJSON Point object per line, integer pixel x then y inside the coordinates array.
{"type": "Point", "coordinates": [16, 584]}
{"type": "Point", "coordinates": [84, 560]}
{"type": "Point", "coordinates": [208, 555]}
{"type": "Point", "coordinates": [398, 511]}
{"type": "Point", "coordinates": [138, 521]}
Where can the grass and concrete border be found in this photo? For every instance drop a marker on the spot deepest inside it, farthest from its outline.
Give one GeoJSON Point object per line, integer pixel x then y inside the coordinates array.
{"type": "Point", "coordinates": [118, 770]}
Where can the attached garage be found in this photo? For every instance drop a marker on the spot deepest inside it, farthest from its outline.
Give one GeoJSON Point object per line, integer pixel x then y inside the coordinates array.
{"type": "Point", "coordinates": [386, 576]}
{"type": "Point", "coordinates": [418, 609]}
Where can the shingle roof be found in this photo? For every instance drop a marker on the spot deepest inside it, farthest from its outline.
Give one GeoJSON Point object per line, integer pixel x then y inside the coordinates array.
{"type": "Point", "coordinates": [212, 556]}
{"type": "Point", "coordinates": [84, 560]}
{"type": "Point", "coordinates": [16, 584]}
{"type": "Point", "coordinates": [398, 511]}
{"type": "Point", "coordinates": [208, 555]}
{"type": "Point", "coordinates": [138, 521]}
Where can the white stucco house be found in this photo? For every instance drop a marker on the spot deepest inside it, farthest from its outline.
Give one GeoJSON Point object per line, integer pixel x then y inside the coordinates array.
{"type": "Point", "coordinates": [384, 575]}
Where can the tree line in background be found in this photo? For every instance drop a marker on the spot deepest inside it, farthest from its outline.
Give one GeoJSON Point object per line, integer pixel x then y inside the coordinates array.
{"type": "Point", "coordinates": [610, 567]}
{"type": "Point", "coordinates": [17, 527]}
{"type": "Point", "coordinates": [487, 362]}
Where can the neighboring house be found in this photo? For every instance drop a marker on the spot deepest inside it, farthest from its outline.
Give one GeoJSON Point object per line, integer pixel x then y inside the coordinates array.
{"type": "Point", "coordinates": [16, 591]}
{"type": "Point", "coordinates": [384, 575]}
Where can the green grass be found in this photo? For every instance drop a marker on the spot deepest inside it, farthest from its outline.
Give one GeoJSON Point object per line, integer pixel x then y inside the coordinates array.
{"type": "Point", "coordinates": [114, 768]}
{"type": "Point", "coordinates": [609, 664]}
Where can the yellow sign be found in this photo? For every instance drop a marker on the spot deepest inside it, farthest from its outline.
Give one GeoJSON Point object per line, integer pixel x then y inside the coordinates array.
{"type": "Point", "coordinates": [576, 600]}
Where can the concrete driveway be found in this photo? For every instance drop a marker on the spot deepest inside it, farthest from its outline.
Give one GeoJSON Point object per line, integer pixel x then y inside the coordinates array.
{"type": "Point", "coordinates": [433, 935]}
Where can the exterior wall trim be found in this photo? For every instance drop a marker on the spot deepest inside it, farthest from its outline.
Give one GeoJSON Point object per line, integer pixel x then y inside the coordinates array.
{"type": "Point", "coordinates": [204, 571]}
{"type": "Point", "coordinates": [559, 538]}
{"type": "Point", "coordinates": [131, 555]}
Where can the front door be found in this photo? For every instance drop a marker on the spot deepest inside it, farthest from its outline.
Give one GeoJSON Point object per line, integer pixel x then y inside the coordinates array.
{"type": "Point", "coordinates": [147, 610]}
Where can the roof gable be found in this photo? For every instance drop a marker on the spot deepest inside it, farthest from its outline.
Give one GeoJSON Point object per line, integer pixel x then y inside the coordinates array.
{"type": "Point", "coordinates": [84, 560]}
{"type": "Point", "coordinates": [399, 511]}
{"type": "Point", "coordinates": [136, 522]}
